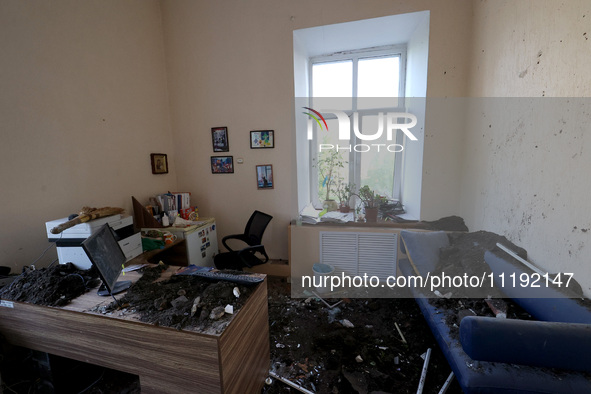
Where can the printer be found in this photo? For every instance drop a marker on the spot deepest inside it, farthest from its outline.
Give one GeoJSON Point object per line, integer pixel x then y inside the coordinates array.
{"type": "Point", "coordinates": [69, 241]}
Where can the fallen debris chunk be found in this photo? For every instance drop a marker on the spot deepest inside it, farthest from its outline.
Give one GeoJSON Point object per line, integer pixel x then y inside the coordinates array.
{"type": "Point", "coordinates": [400, 333]}
{"type": "Point", "coordinates": [499, 307]}
{"type": "Point", "coordinates": [326, 303]}
{"type": "Point", "coordinates": [357, 380]}
{"type": "Point", "coordinates": [359, 359]}
{"type": "Point", "coordinates": [229, 309]}
{"type": "Point", "coordinates": [217, 313]}
{"type": "Point", "coordinates": [290, 383]}
{"type": "Point", "coordinates": [424, 371]}
{"type": "Point", "coordinates": [346, 323]}
{"type": "Point", "coordinates": [446, 295]}
{"type": "Point", "coordinates": [178, 301]}
{"type": "Point", "coordinates": [446, 384]}
{"type": "Point", "coordinates": [236, 292]}
{"type": "Point", "coordinates": [195, 306]}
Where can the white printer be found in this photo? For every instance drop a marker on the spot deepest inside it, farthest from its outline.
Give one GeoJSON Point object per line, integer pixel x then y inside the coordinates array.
{"type": "Point", "coordinates": [69, 241]}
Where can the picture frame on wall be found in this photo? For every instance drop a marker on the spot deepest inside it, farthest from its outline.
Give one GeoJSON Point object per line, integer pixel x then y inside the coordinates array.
{"type": "Point", "coordinates": [222, 164]}
{"type": "Point", "coordinates": [261, 139]}
{"type": "Point", "coordinates": [219, 139]}
{"type": "Point", "coordinates": [159, 163]}
{"type": "Point", "coordinates": [265, 176]}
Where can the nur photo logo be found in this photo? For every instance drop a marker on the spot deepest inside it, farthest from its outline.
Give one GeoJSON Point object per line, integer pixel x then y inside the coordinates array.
{"type": "Point", "coordinates": [389, 121]}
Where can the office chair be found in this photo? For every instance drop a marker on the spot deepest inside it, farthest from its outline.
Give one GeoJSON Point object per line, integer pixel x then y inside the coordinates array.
{"type": "Point", "coordinates": [252, 236]}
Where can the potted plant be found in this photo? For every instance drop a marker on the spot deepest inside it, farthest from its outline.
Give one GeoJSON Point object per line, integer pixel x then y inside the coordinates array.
{"type": "Point", "coordinates": [344, 192]}
{"type": "Point", "coordinates": [329, 164]}
{"type": "Point", "coordinates": [371, 202]}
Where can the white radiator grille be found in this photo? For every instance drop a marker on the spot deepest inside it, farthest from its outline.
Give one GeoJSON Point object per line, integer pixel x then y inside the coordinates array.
{"type": "Point", "coordinates": [373, 254]}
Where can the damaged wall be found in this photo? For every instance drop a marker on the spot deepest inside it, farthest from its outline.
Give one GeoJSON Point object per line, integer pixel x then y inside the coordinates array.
{"type": "Point", "coordinates": [526, 156]}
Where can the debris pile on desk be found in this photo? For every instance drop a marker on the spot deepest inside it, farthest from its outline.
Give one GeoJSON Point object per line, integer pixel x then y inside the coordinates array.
{"type": "Point", "coordinates": [53, 286]}
{"type": "Point", "coordinates": [183, 302]}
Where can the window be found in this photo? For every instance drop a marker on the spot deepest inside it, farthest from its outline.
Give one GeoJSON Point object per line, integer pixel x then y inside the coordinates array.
{"type": "Point", "coordinates": [399, 43]}
{"type": "Point", "coordinates": [362, 84]}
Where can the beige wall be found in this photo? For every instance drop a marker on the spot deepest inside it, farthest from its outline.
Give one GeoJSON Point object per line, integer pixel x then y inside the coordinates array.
{"type": "Point", "coordinates": [83, 103]}
{"type": "Point", "coordinates": [231, 64]}
{"type": "Point", "coordinates": [526, 160]}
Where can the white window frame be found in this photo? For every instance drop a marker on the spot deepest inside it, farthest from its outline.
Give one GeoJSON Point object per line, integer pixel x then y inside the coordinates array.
{"type": "Point", "coordinates": [354, 157]}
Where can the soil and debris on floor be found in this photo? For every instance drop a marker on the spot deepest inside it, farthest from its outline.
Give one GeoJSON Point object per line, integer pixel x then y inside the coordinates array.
{"type": "Point", "coordinates": [354, 347]}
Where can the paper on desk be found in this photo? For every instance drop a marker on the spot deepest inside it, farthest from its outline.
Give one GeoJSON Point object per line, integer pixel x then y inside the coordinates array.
{"type": "Point", "coordinates": [134, 267]}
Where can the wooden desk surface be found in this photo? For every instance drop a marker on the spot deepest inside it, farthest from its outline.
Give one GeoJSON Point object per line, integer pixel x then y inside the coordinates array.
{"type": "Point", "coordinates": [167, 360]}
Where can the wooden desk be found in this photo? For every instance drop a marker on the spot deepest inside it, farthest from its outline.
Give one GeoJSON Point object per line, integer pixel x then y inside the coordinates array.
{"type": "Point", "coordinates": [166, 360]}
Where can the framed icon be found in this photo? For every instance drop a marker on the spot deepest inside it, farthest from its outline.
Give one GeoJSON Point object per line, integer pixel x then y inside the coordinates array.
{"type": "Point", "coordinates": [222, 164]}
{"type": "Point", "coordinates": [219, 138]}
{"type": "Point", "coordinates": [159, 163]}
{"type": "Point", "coordinates": [265, 176]}
{"type": "Point", "coordinates": [262, 139]}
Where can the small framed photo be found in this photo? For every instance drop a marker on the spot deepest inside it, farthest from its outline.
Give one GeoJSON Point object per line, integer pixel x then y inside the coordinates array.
{"type": "Point", "coordinates": [219, 138]}
{"type": "Point", "coordinates": [265, 176]}
{"type": "Point", "coordinates": [159, 163]}
{"type": "Point", "coordinates": [262, 139]}
{"type": "Point", "coordinates": [222, 164]}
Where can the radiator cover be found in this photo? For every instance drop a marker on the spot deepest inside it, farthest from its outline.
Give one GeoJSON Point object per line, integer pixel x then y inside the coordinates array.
{"type": "Point", "coordinates": [359, 253]}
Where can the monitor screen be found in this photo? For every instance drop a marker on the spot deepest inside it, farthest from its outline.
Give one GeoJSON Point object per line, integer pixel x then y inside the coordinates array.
{"type": "Point", "coordinates": [104, 252]}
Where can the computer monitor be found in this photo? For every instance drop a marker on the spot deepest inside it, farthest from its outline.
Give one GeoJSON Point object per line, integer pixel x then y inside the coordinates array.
{"type": "Point", "coordinates": [106, 255]}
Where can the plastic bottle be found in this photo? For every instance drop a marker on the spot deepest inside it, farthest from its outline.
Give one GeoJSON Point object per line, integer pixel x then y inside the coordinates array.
{"type": "Point", "coordinates": [165, 221]}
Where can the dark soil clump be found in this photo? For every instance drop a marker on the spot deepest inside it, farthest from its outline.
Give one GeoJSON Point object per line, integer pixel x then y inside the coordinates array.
{"type": "Point", "coordinates": [448, 223]}
{"type": "Point", "coordinates": [53, 286]}
{"type": "Point", "coordinates": [183, 301]}
{"type": "Point", "coordinates": [465, 256]}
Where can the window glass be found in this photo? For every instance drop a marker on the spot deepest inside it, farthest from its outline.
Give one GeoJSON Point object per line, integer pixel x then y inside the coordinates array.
{"type": "Point", "coordinates": [363, 85]}
{"type": "Point", "coordinates": [328, 155]}
{"type": "Point", "coordinates": [333, 79]}
{"type": "Point", "coordinates": [378, 78]}
{"type": "Point", "coordinates": [377, 168]}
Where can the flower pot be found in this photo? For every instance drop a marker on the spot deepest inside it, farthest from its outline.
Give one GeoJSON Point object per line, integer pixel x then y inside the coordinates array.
{"type": "Point", "coordinates": [371, 215]}
{"type": "Point", "coordinates": [330, 205]}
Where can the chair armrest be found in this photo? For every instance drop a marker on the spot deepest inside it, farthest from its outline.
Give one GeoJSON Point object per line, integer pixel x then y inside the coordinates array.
{"type": "Point", "coordinates": [252, 250]}
{"type": "Point", "coordinates": [239, 237]}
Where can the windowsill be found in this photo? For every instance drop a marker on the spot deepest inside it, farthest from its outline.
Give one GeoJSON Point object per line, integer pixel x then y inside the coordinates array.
{"type": "Point", "coordinates": [379, 223]}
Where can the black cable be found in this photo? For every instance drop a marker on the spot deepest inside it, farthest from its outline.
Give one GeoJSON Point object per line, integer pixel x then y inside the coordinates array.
{"type": "Point", "coordinates": [94, 383]}
{"type": "Point", "coordinates": [81, 277]}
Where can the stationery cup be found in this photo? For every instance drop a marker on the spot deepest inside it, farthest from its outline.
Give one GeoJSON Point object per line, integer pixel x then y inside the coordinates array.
{"type": "Point", "coordinates": [168, 238]}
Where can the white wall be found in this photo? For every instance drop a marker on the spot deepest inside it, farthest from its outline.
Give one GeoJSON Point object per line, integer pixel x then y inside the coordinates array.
{"type": "Point", "coordinates": [85, 100]}
{"type": "Point", "coordinates": [417, 60]}
{"type": "Point", "coordinates": [526, 159]}
{"type": "Point", "coordinates": [302, 156]}
{"type": "Point", "coordinates": [83, 103]}
{"type": "Point", "coordinates": [231, 64]}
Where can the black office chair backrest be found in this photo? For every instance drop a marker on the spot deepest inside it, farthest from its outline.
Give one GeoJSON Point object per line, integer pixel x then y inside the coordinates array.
{"type": "Point", "coordinates": [256, 227]}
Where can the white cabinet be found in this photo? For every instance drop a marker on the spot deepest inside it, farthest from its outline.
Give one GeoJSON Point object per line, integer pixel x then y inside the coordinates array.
{"type": "Point", "coordinates": [201, 240]}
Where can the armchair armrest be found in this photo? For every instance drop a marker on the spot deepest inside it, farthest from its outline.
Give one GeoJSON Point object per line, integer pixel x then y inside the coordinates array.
{"type": "Point", "coordinates": [239, 237]}
{"type": "Point", "coordinates": [248, 253]}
